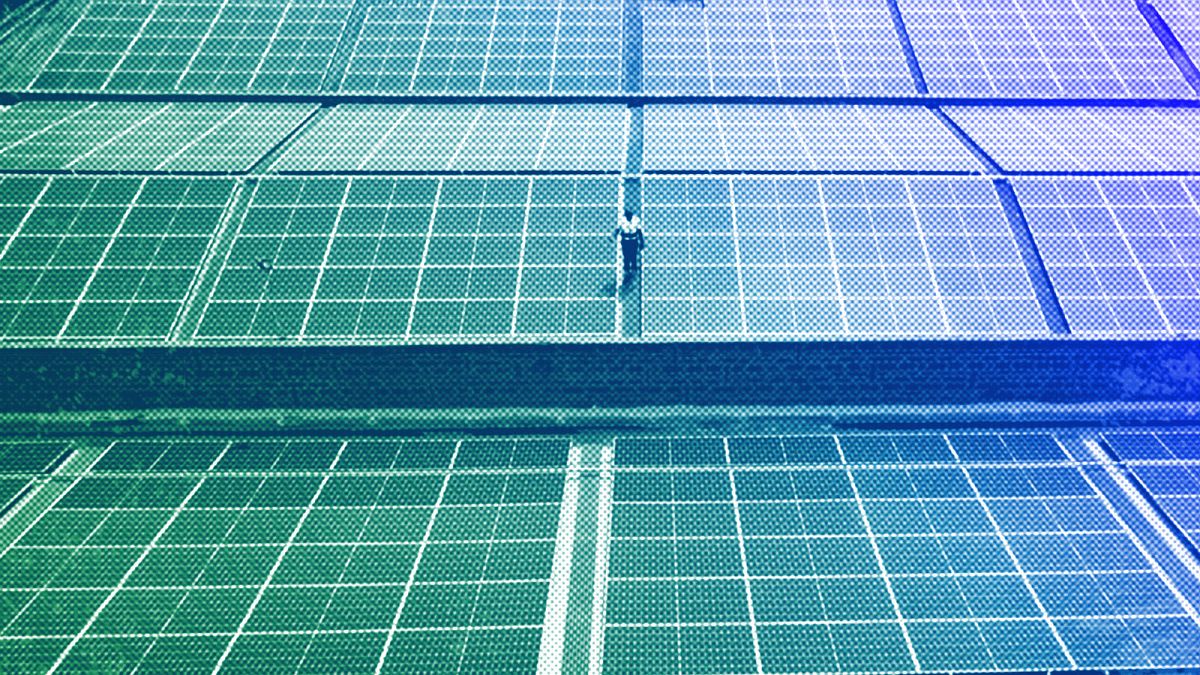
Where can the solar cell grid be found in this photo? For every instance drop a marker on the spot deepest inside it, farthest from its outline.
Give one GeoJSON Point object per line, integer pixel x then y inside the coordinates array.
{"type": "Point", "coordinates": [269, 568]}
{"type": "Point", "coordinates": [535, 46]}
{"type": "Point", "coordinates": [757, 566]}
{"type": "Point", "coordinates": [111, 136]}
{"type": "Point", "coordinates": [198, 45]}
{"type": "Point", "coordinates": [858, 256]}
{"type": "Point", "coordinates": [461, 138]}
{"type": "Point", "coordinates": [1040, 48]}
{"type": "Point", "coordinates": [1122, 253]}
{"type": "Point", "coordinates": [800, 138]}
{"type": "Point", "coordinates": [106, 258]}
{"type": "Point", "coordinates": [789, 48]}
{"type": "Point", "coordinates": [1168, 466]}
{"type": "Point", "coordinates": [1089, 140]}
{"type": "Point", "coordinates": [1183, 18]}
{"type": "Point", "coordinates": [398, 258]}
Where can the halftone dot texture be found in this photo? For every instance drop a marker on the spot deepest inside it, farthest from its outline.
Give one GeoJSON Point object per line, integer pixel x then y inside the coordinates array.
{"type": "Point", "coordinates": [413, 178]}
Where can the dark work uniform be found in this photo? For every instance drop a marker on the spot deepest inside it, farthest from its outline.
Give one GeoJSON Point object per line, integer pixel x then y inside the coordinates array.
{"type": "Point", "coordinates": [632, 242]}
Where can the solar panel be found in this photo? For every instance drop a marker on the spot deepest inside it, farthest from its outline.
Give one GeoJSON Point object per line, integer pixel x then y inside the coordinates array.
{"type": "Point", "coordinates": [100, 258]}
{"type": "Point", "coordinates": [800, 138]}
{"type": "Point", "coordinates": [1040, 48]}
{"type": "Point", "coordinates": [831, 256]}
{"type": "Point", "coordinates": [1092, 139]}
{"type": "Point", "coordinates": [1123, 254]}
{"type": "Point", "coordinates": [111, 136]}
{"type": "Point", "coordinates": [1168, 465]}
{"type": "Point", "coordinates": [461, 138]}
{"type": "Point", "coordinates": [725, 559]}
{"type": "Point", "coordinates": [390, 259]}
{"type": "Point", "coordinates": [792, 48]}
{"type": "Point", "coordinates": [22, 462]}
{"type": "Point", "coordinates": [478, 46]}
{"type": "Point", "coordinates": [198, 45]}
{"type": "Point", "coordinates": [305, 555]}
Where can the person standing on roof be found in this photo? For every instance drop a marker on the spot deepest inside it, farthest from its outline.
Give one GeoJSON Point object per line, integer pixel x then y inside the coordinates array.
{"type": "Point", "coordinates": [629, 233]}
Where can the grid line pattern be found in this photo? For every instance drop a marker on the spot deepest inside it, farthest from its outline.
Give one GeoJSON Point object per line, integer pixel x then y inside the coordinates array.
{"type": "Point", "coordinates": [102, 258]}
{"type": "Point", "coordinates": [473, 46]}
{"type": "Point", "coordinates": [981, 552]}
{"type": "Point", "coordinates": [1040, 48]}
{"type": "Point", "coordinates": [277, 571]}
{"type": "Point", "coordinates": [1123, 254]}
{"type": "Point", "coordinates": [391, 259]}
{"type": "Point", "coordinates": [1086, 140]}
{"type": "Point", "coordinates": [786, 48]}
{"type": "Point", "coordinates": [832, 256]}
{"type": "Point", "coordinates": [801, 138]}
{"type": "Point", "coordinates": [1168, 465]}
{"type": "Point", "coordinates": [433, 139]}
{"type": "Point", "coordinates": [197, 46]}
{"type": "Point", "coordinates": [173, 137]}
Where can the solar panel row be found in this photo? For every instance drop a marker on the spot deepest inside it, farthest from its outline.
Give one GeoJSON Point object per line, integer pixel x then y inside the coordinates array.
{"type": "Point", "coordinates": [1123, 254]}
{"type": "Point", "coordinates": [1020, 48]}
{"type": "Point", "coordinates": [142, 137]}
{"type": "Point", "coordinates": [812, 554]}
{"type": "Point", "coordinates": [227, 137]}
{"type": "Point", "coordinates": [832, 256]}
{"type": "Point", "coordinates": [397, 258]}
{"type": "Point", "coordinates": [436, 138]}
{"type": "Point", "coordinates": [300, 555]}
{"type": "Point", "coordinates": [845, 553]}
{"type": "Point", "coordinates": [88, 257]}
{"type": "Point", "coordinates": [756, 138]}
{"type": "Point", "coordinates": [393, 258]}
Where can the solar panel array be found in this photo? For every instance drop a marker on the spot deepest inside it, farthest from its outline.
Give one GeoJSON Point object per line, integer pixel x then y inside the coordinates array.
{"type": "Point", "coordinates": [1168, 465]}
{"type": "Point", "coordinates": [1183, 18]}
{"type": "Point", "coordinates": [763, 138]}
{"type": "Point", "coordinates": [476, 46]}
{"type": "Point", "coordinates": [878, 554]}
{"type": "Point", "coordinates": [115, 136]}
{"type": "Point", "coordinates": [397, 258]}
{"type": "Point", "coordinates": [24, 462]}
{"type": "Point", "coordinates": [1040, 48]}
{"type": "Point", "coordinates": [441, 138]}
{"type": "Point", "coordinates": [856, 256]}
{"type": "Point", "coordinates": [197, 45]}
{"type": "Point", "coordinates": [789, 48]}
{"type": "Point", "coordinates": [310, 555]}
{"type": "Point", "coordinates": [1123, 254]}
{"type": "Point", "coordinates": [100, 258]}
{"type": "Point", "coordinates": [1085, 140]}
{"type": "Point", "coordinates": [741, 554]}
